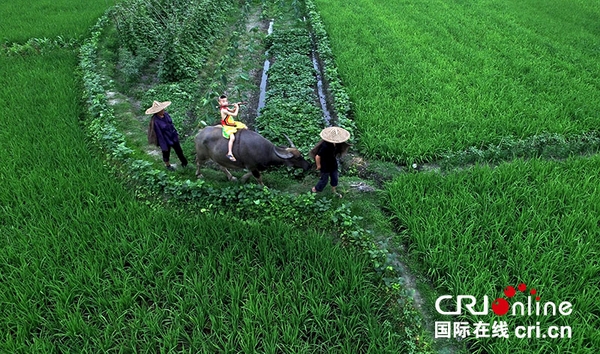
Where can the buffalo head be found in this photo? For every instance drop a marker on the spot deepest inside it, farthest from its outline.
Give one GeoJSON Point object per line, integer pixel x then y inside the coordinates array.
{"type": "Point", "coordinates": [292, 157]}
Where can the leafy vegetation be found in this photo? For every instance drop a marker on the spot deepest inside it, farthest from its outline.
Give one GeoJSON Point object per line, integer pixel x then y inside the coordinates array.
{"type": "Point", "coordinates": [291, 104]}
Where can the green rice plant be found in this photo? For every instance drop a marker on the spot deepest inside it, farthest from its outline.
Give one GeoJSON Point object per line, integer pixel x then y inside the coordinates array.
{"type": "Point", "coordinates": [430, 77]}
{"type": "Point", "coordinates": [49, 19]}
{"type": "Point", "coordinates": [477, 231]}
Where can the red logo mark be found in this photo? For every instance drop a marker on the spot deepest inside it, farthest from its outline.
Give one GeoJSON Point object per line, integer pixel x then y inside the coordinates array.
{"type": "Point", "coordinates": [500, 306]}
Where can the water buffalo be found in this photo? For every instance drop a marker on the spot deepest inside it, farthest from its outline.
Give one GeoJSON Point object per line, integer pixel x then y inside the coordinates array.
{"type": "Point", "coordinates": [252, 152]}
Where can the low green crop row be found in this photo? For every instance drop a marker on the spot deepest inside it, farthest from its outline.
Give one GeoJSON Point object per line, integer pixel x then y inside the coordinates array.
{"type": "Point", "coordinates": [291, 105]}
{"type": "Point", "coordinates": [39, 46]}
{"type": "Point", "coordinates": [548, 146]}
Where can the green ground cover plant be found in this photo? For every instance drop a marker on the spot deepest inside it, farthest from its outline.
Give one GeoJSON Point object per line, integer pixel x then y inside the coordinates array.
{"type": "Point", "coordinates": [534, 222]}
{"type": "Point", "coordinates": [547, 146]}
{"type": "Point", "coordinates": [432, 77]}
{"type": "Point", "coordinates": [48, 18]}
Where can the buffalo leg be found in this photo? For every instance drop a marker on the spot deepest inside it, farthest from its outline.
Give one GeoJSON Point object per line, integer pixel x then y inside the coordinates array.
{"type": "Point", "coordinates": [199, 162]}
{"type": "Point", "coordinates": [229, 175]}
{"type": "Point", "coordinates": [256, 175]}
{"type": "Point", "coordinates": [246, 176]}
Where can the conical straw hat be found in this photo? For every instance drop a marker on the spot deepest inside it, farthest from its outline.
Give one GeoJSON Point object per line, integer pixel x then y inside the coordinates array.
{"type": "Point", "coordinates": [335, 135]}
{"type": "Point", "coordinates": [157, 107]}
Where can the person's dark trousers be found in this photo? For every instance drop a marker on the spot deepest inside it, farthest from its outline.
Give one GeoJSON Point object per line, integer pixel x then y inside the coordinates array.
{"type": "Point", "coordinates": [178, 151]}
{"type": "Point", "coordinates": [325, 178]}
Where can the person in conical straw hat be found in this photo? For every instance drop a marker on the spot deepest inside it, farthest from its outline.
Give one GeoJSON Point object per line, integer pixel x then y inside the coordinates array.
{"type": "Point", "coordinates": [162, 132]}
{"type": "Point", "coordinates": [325, 153]}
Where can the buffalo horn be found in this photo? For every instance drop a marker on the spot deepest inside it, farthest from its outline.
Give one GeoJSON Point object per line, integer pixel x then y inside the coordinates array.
{"type": "Point", "coordinates": [283, 153]}
{"type": "Point", "coordinates": [290, 141]}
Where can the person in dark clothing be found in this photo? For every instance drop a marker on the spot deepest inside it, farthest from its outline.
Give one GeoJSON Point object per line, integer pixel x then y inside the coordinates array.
{"type": "Point", "coordinates": [326, 153]}
{"type": "Point", "coordinates": [162, 132]}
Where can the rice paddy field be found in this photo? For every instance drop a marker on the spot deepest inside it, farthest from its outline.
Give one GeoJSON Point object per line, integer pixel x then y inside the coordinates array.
{"type": "Point", "coordinates": [85, 267]}
{"type": "Point", "coordinates": [533, 222]}
{"type": "Point", "coordinates": [428, 77]}
{"type": "Point", "coordinates": [49, 18]}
